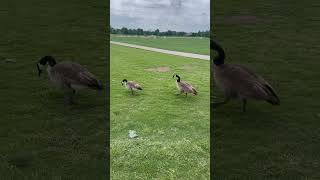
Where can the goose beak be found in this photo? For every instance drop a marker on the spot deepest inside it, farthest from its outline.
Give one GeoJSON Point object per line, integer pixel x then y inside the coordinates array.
{"type": "Point", "coordinates": [39, 70]}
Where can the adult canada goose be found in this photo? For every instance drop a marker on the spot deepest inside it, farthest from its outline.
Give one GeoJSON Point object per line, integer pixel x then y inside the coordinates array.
{"type": "Point", "coordinates": [238, 82]}
{"type": "Point", "coordinates": [184, 87]}
{"type": "Point", "coordinates": [68, 76]}
{"type": "Point", "coordinates": [132, 86]}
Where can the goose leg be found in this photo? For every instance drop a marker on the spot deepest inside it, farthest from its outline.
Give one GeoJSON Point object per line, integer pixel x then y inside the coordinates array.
{"type": "Point", "coordinates": [244, 104]}
{"type": "Point", "coordinates": [131, 91]}
{"type": "Point", "coordinates": [68, 99]}
{"type": "Point", "coordinates": [186, 94]}
{"type": "Point", "coordinates": [68, 96]}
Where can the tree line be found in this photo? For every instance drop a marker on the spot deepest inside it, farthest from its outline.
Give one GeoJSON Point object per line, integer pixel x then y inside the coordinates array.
{"type": "Point", "coordinates": [157, 32]}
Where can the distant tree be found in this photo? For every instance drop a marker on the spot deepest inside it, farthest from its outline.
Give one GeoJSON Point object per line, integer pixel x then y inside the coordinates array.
{"type": "Point", "coordinates": [124, 30]}
{"type": "Point", "coordinates": [139, 31]}
{"type": "Point", "coordinates": [157, 32]}
{"type": "Point", "coordinates": [181, 33]}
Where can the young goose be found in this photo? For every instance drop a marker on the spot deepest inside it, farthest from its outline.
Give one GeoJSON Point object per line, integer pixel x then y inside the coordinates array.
{"type": "Point", "coordinates": [238, 82]}
{"type": "Point", "coordinates": [133, 86]}
{"type": "Point", "coordinates": [68, 76]}
{"type": "Point", "coordinates": [184, 87]}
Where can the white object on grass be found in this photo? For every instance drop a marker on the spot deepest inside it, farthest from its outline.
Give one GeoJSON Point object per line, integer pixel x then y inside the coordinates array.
{"type": "Point", "coordinates": [132, 134]}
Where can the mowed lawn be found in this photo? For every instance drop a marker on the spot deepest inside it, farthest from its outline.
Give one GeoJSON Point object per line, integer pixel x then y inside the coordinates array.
{"type": "Point", "coordinates": [40, 137]}
{"type": "Point", "coordinates": [280, 41]}
{"type": "Point", "coordinates": [173, 130]}
{"type": "Point", "coordinates": [196, 45]}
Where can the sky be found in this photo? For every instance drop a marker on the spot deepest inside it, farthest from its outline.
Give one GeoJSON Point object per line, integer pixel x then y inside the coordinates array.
{"type": "Point", "coordinates": [176, 15]}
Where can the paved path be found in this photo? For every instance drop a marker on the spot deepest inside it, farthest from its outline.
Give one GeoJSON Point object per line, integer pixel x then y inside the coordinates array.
{"type": "Point", "coordinates": [177, 53]}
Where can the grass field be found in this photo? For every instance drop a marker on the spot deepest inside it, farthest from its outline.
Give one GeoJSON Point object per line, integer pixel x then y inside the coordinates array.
{"type": "Point", "coordinates": [173, 130]}
{"type": "Point", "coordinates": [280, 40]}
{"type": "Point", "coordinates": [185, 44]}
{"type": "Point", "coordinates": [40, 138]}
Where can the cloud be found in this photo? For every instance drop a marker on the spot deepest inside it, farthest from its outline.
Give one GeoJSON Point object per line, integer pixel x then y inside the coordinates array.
{"type": "Point", "coordinates": [178, 15]}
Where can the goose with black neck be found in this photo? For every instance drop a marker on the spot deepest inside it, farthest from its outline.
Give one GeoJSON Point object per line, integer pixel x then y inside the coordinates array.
{"type": "Point", "coordinates": [238, 82]}
{"type": "Point", "coordinates": [184, 87]}
{"type": "Point", "coordinates": [68, 76]}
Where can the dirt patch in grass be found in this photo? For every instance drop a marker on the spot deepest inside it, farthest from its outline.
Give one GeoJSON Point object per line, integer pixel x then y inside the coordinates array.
{"type": "Point", "coordinates": [239, 19]}
{"type": "Point", "coordinates": [158, 69]}
{"type": "Point", "coordinates": [188, 67]}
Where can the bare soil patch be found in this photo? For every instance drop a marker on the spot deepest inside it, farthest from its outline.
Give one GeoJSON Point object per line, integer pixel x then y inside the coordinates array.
{"type": "Point", "coordinates": [158, 69]}
{"type": "Point", "coordinates": [187, 67]}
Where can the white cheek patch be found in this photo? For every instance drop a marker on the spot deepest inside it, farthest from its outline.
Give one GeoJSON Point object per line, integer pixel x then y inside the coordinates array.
{"type": "Point", "coordinates": [40, 66]}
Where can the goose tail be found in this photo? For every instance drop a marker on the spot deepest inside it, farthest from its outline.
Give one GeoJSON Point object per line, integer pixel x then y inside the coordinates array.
{"type": "Point", "coordinates": [96, 86]}
{"type": "Point", "coordinates": [195, 92]}
{"type": "Point", "coordinates": [274, 99]}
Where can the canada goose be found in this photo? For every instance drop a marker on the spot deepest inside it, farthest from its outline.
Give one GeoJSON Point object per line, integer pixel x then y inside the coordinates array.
{"type": "Point", "coordinates": [132, 86]}
{"type": "Point", "coordinates": [238, 82]}
{"type": "Point", "coordinates": [184, 87]}
{"type": "Point", "coordinates": [68, 76]}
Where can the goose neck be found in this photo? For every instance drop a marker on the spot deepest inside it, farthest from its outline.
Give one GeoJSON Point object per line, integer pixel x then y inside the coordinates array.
{"type": "Point", "coordinates": [219, 59]}
{"type": "Point", "coordinates": [178, 80]}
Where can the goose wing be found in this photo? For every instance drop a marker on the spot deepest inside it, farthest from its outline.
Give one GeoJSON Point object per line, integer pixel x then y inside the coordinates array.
{"type": "Point", "coordinates": [134, 85]}
{"type": "Point", "coordinates": [187, 87]}
{"type": "Point", "coordinates": [73, 73]}
{"type": "Point", "coordinates": [248, 84]}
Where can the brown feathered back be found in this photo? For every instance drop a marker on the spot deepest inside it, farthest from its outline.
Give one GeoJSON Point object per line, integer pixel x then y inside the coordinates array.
{"type": "Point", "coordinates": [186, 88]}
{"type": "Point", "coordinates": [73, 74]}
{"type": "Point", "coordinates": [133, 85]}
{"type": "Point", "coordinates": [237, 81]}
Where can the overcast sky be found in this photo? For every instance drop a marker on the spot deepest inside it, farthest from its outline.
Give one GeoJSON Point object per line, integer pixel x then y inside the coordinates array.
{"type": "Point", "coordinates": [177, 15]}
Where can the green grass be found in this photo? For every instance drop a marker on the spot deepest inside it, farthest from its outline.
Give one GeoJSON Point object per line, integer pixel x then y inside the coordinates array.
{"type": "Point", "coordinates": [283, 46]}
{"type": "Point", "coordinates": [41, 138]}
{"type": "Point", "coordinates": [185, 44]}
{"type": "Point", "coordinates": [173, 130]}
